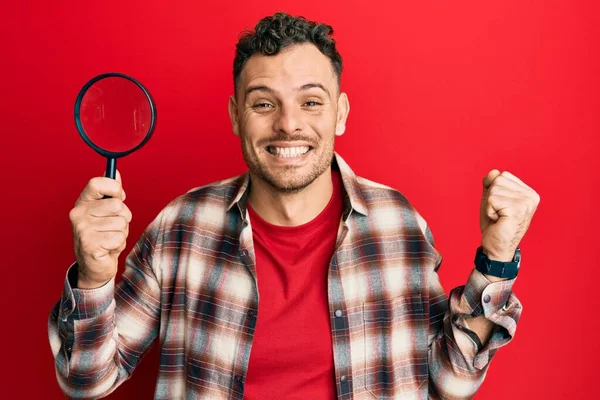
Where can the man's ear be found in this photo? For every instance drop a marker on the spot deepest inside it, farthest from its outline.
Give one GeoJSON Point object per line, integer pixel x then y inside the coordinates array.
{"type": "Point", "coordinates": [233, 115]}
{"type": "Point", "coordinates": [343, 110]}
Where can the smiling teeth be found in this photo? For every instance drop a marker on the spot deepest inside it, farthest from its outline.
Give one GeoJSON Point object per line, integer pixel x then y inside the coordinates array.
{"type": "Point", "coordinates": [288, 151]}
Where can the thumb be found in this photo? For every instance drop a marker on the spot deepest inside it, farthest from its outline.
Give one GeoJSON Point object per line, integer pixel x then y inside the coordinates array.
{"type": "Point", "coordinates": [487, 212]}
{"type": "Point", "coordinates": [489, 178]}
{"type": "Point", "coordinates": [118, 179]}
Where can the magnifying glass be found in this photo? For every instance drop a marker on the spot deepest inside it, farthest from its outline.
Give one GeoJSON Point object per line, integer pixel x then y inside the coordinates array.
{"type": "Point", "coordinates": [115, 115]}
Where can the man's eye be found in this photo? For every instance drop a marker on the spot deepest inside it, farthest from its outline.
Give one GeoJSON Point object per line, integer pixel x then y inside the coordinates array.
{"type": "Point", "coordinates": [262, 105]}
{"type": "Point", "coordinates": [312, 103]}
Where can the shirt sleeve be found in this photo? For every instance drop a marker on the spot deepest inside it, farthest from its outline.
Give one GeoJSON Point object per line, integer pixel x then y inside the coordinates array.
{"type": "Point", "coordinates": [98, 336]}
{"type": "Point", "coordinates": [458, 362]}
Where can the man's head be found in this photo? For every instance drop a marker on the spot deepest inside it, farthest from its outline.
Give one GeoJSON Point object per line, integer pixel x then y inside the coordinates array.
{"type": "Point", "coordinates": [275, 33]}
{"type": "Point", "coordinates": [288, 108]}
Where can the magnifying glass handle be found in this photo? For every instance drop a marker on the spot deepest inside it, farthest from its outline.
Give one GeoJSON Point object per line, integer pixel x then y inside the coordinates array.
{"type": "Point", "coordinates": [111, 170]}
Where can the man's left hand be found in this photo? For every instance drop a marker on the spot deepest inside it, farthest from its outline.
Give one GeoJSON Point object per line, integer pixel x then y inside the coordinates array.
{"type": "Point", "coordinates": [507, 207]}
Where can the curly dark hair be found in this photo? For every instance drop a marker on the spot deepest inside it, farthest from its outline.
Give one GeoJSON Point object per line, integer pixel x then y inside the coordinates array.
{"type": "Point", "coordinates": [274, 33]}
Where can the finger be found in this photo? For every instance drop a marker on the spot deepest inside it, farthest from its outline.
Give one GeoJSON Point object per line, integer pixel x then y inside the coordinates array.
{"type": "Point", "coordinates": [99, 187]}
{"type": "Point", "coordinates": [506, 183]}
{"type": "Point", "coordinates": [515, 179]}
{"type": "Point", "coordinates": [107, 208]}
{"type": "Point", "coordinates": [119, 249]}
{"type": "Point", "coordinates": [110, 224]}
{"type": "Point", "coordinates": [503, 206]}
{"type": "Point", "coordinates": [110, 208]}
{"type": "Point", "coordinates": [111, 241]}
{"type": "Point", "coordinates": [489, 178]}
{"type": "Point", "coordinates": [491, 212]}
{"type": "Point", "coordinates": [505, 192]}
{"type": "Point", "coordinates": [118, 179]}
{"type": "Point", "coordinates": [126, 212]}
{"type": "Point", "coordinates": [98, 244]}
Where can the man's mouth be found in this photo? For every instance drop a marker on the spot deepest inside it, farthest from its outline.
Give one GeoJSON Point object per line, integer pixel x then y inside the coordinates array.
{"type": "Point", "coordinates": [288, 152]}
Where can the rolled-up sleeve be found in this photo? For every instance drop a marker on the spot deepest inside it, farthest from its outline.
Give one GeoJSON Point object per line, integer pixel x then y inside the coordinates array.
{"type": "Point", "coordinates": [493, 300]}
{"type": "Point", "coordinates": [458, 362]}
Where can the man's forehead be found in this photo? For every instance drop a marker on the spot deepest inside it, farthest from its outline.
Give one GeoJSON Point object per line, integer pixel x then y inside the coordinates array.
{"type": "Point", "coordinates": [293, 66]}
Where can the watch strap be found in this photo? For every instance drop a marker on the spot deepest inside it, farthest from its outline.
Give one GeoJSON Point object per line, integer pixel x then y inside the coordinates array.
{"type": "Point", "coordinates": [500, 269]}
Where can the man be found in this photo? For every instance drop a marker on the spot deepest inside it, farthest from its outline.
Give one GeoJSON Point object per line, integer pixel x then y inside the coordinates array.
{"type": "Point", "coordinates": [297, 280]}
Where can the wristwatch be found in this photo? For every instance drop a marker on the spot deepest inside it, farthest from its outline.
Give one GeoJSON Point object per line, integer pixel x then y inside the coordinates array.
{"type": "Point", "coordinates": [500, 269]}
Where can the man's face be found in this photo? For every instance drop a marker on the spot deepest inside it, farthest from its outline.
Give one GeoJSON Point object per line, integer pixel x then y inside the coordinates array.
{"type": "Point", "coordinates": [287, 113]}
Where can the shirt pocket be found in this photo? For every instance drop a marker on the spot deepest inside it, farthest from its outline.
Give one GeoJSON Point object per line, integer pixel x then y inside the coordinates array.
{"type": "Point", "coordinates": [395, 337]}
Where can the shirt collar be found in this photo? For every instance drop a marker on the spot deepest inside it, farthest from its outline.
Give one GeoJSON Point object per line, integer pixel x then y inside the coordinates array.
{"type": "Point", "coordinates": [353, 196]}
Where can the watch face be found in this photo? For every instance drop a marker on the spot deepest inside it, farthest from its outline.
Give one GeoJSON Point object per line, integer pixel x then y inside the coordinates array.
{"type": "Point", "coordinates": [517, 258]}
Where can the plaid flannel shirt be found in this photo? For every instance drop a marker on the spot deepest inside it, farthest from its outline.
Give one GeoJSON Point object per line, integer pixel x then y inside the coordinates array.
{"type": "Point", "coordinates": [191, 280]}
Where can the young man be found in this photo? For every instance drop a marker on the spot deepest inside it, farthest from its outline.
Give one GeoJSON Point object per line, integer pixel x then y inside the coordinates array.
{"type": "Point", "coordinates": [297, 280]}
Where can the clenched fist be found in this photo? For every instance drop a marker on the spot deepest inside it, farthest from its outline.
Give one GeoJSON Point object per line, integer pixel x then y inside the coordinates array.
{"type": "Point", "coordinates": [100, 229]}
{"type": "Point", "coordinates": [507, 207]}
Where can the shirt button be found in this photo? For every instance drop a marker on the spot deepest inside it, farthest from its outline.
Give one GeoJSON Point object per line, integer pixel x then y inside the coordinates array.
{"type": "Point", "coordinates": [252, 313]}
{"type": "Point", "coordinates": [487, 298]}
{"type": "Point", "coordinates": [338, 313]}
{"type": "Point", "coordinates": [243, 253]}
{"type": "Point", "coordinates": [343, 378]}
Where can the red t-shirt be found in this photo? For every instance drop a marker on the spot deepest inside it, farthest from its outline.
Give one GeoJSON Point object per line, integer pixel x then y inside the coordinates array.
{"type": "Point", "coordinates": [292, 354]}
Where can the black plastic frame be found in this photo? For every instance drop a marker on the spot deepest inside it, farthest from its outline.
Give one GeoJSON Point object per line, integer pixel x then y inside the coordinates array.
{"type": "Point", "coordinates": [99, 150]}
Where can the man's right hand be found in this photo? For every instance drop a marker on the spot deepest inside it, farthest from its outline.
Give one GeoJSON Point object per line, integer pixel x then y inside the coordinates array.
{"type": "Point", "coordinates": [100, 229]}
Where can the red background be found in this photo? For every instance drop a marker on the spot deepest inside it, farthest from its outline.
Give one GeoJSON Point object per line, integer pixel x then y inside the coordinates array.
{"type": "Point", "coordinates": [440, 92]}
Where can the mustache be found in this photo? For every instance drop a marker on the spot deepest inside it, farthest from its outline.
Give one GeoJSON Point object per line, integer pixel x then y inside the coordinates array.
{"type": "Point", "coordinates": [284, 137]}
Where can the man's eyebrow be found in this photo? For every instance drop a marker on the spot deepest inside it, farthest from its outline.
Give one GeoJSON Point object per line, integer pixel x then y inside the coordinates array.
{"type": "Point", "coordinates": [315, 85]}
{"type": "Point", "coordinates": [261, 88]}
{"type": "Point", "coordinates": [266, 89]}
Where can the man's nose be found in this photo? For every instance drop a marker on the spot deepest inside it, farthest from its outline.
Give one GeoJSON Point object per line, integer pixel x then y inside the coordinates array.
{"type": "Point", "coordinates": [288, 120]}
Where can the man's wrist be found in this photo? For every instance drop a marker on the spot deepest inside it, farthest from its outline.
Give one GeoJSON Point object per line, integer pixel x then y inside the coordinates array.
{"type": "Point", "coordinates": [84, 284]}
{"type": "Point", "coordinates": [79, 281]}
{"type": "Point", "coordinates": [499, 256]}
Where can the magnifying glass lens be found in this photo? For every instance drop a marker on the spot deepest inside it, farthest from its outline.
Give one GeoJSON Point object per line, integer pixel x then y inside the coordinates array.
{"type": "Point", "coordinates": [115, 114]}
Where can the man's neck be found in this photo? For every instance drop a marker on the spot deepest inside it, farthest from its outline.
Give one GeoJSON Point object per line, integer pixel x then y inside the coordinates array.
{"type": "Point", "coordinates": [290, 209]}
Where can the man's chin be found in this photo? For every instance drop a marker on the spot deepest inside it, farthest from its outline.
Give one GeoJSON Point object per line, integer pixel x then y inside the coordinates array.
{"type": "Point", "coordinates": [291, 184]}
